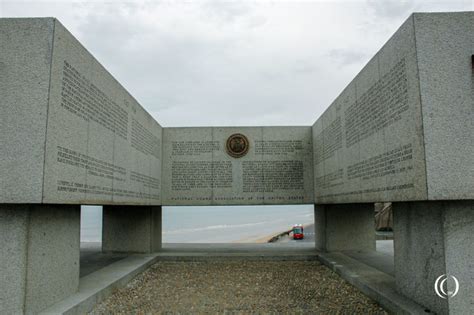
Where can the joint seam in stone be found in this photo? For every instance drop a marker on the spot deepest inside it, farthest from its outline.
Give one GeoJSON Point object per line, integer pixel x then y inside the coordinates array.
{"type": "Point", "coordinates": [47, 107]}
{"type": "Point", "coordinates": [421, 105]}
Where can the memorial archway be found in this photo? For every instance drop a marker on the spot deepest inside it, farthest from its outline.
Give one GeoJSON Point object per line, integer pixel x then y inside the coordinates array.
{"type": "Point", "coordinates": [400, 132]}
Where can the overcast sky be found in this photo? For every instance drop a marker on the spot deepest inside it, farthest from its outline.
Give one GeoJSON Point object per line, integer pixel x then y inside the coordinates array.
{"type": "Point", "coordinates": [223, 63]}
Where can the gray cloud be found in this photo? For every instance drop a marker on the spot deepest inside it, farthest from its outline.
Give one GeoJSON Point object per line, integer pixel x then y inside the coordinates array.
{"type": "Point", "coordinates": [231, 62]}
{"type": "Point", "coordinates": [348, 57]}
{"type": "Point", "coordinates": [391, 9]}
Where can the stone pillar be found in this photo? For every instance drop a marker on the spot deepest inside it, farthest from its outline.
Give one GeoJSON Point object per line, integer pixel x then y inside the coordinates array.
{"type": "Point", "coordinates": [344, 227]}
{"type": "Point", "coordinates": [39, 255]}
{"type": "Point", "coordinates": [432, 239]}
{"type": "Point", "coordinates": [135, 229]}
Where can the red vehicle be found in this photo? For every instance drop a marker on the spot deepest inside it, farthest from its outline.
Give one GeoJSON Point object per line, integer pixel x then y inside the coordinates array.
{"type": "Point", "coordinates": [298, 232]}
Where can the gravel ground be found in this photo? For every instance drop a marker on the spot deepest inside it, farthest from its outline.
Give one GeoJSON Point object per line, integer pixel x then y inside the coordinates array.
{"type": "Point", "coordinates": [238, 287]}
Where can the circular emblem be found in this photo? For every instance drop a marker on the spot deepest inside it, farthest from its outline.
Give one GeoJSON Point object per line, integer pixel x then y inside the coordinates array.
{"type": "Point", "coordinates": [237, 145]}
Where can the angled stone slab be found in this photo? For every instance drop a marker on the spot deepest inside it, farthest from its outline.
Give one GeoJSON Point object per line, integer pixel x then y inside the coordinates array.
{"type": "Point", "coordinates": [72, 133]}
{"type": "Point", "coordinates": [403, 129]}
{"type": "Point", "coordinates": [368, 145]}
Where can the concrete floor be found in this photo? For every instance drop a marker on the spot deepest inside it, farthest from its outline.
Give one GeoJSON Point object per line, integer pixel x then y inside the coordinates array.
{"type": "Point", "coordinates": [92, 258]}
{"type": "Point", "coordinates": [381, 259]}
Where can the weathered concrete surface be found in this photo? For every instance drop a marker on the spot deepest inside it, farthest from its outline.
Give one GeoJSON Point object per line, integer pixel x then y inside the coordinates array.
{"type": "Point", "coordinates": [72, 134]}
{"type": "Point", "coordinates": [434, 239]}
{"type": "Point", "coordinates": [40, 255]}
{"type": "Point", "coordinates": [277, 168]}
{"type": "Point", "coordinates": [344, 227]}
{"type": "Point", "coordinates": [135, 229]}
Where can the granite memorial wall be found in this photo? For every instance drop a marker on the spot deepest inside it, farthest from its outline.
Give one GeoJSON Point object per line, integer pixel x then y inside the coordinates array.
{"type": "Point", "coordinates": [237, 165]}
{"type": "Point", "coordinates": [393, 133]}
{"type": "Point", "coordinates": [77, 136]}
{"type": "Point", "coordinates": [72, 134]}
{"type": "Point", "coordinates": [401, 131]}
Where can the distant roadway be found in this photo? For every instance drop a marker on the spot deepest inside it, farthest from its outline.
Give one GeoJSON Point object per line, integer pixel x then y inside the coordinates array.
{"type": "Point", "coordinates": [308, 236]}
{"type": "Point", "coordinates": [308, 233]}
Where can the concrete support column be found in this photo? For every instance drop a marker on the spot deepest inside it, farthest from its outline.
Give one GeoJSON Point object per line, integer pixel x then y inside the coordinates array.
{"type": "Point", "coordinates": [39, 256]}
{"type": "Point", "coordinates": [134, 229]}
{"type": "Point", "coordinates": [344, 227]}
{"type": "Point", "coordinates": [432, 239]}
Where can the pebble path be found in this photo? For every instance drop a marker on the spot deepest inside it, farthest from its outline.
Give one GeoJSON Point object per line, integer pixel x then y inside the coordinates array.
{"type": "Point", "coordinates": [238, 287]}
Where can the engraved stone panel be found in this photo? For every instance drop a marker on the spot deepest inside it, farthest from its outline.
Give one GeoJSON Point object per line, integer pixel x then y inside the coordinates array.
{"type": "Point", "coordinates": [402, 130]}
{"type": "Point", "coordinates": [368, 145]}
{"type": "Point", "coordinates": [102, 147]}
{"type": "Point", "coordinates": [188, 172]}
{"type": "Point", "coordinates": [275, 169]}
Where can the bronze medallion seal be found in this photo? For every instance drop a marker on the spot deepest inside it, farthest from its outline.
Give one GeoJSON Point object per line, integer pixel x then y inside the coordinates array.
{"type": "Point", "coordinates": [237, 145]}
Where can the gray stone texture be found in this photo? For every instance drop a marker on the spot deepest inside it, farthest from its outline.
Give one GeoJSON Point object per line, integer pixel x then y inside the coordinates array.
{"type": "Point", "coordinates": [98, 286]}
{"type": "Point", "coordinates": [72, 134]}
{"type": "Point", "coordinates": [134, 229]}
{"type": "Point", "coordinates": [40, 255]}
{"type": "Point", "coordinates": [276, 170]}
{"type": "Point", "coordinates": [445, 46]}
{"type": "Point", "coordinates": [433, 238]}
{"type": "Point", "coordinates": [374, 283]}
{"type": "Point", "coordinates": [25, 55]}
{"type": "Point", "coordinates": [402, 130]}
{"type": "Point", "coordinates": [344, 227]}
